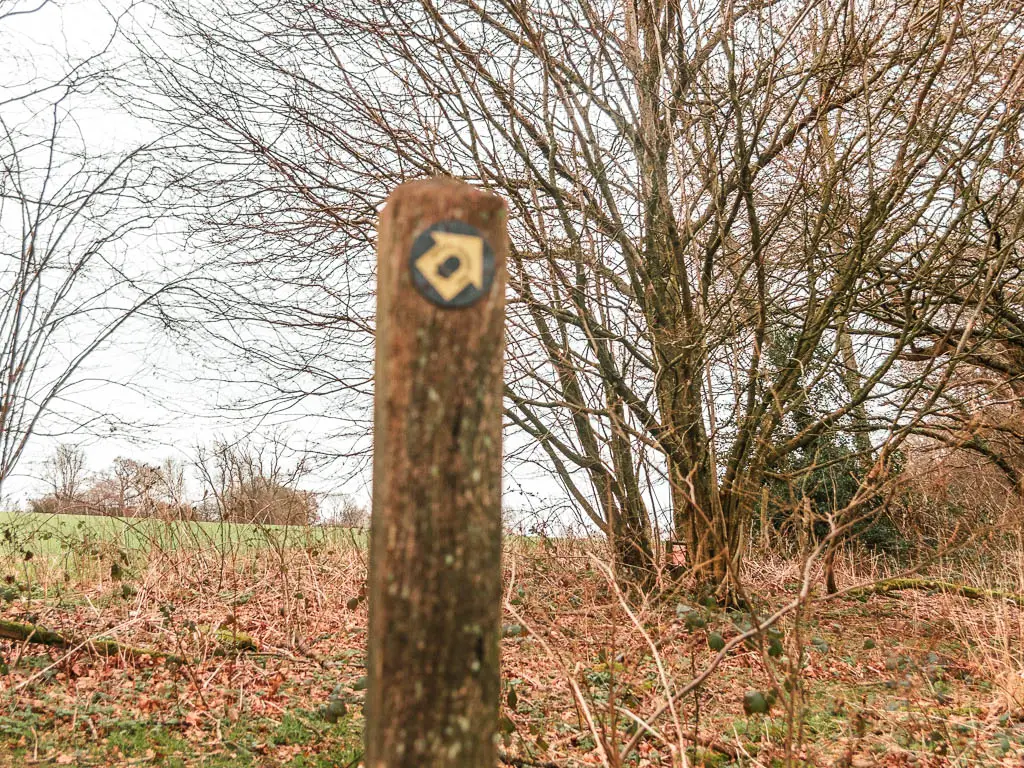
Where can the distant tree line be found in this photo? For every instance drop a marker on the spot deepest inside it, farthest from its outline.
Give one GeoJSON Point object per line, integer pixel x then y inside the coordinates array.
{"type": "Point", "coordinates": [128, 488]}
{"type": "Point", "coordinates": [239, 484]}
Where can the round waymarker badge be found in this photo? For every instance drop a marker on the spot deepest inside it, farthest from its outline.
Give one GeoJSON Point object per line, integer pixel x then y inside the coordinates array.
{"type": "Point", "coordinates": [452, 264]}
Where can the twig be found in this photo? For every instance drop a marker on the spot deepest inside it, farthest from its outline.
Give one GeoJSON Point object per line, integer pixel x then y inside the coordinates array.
{"type": "Point", "coordinates": [570, 676]}
{"type": "Point", "coordinates": [666, 684]}
{"type": "Point", "coordinates": [707, 742]}
{"type": "Point", "coordinates": [712, 665]}
{"type": "Point", "coordinates": [33, 633]}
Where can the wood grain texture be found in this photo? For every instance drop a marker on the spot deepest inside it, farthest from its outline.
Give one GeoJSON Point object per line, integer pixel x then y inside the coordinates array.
{"type": "Point", "coordinates": [435, 546]}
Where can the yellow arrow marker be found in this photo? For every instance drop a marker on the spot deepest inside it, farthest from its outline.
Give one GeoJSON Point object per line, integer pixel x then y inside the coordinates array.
{"type": "Point", "coordinates": [467, 249]}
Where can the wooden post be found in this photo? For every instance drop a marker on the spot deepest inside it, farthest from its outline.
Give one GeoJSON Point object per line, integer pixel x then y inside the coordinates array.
{"type": "Point", "coordinates": [435, 539]}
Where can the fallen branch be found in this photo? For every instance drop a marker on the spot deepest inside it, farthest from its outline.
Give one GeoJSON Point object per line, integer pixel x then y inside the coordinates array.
{"type": "Point", "coordinates": [933, 585]}
{"type": "Point", "coordinates": [523, 762]}
{"type": "Point", "coordinates": [33, 633]}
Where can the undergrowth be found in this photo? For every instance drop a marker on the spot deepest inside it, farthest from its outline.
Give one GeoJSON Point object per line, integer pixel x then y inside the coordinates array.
{"type": "Point", "coordinates": [273, 640]}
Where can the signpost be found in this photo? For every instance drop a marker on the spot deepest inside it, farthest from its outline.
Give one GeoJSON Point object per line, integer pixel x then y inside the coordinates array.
{"type": "Point", "coordinates": [435, 540]}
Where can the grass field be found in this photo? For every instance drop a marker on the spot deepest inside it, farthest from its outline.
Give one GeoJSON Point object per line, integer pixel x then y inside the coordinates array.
{"type": "Point", "coordinates": [269, 627]}
{"type": "Point", "coordinates": [52, 534]}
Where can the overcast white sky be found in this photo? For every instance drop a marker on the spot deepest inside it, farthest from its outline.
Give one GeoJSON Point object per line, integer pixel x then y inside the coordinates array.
{"type": "Point", "coordinates": [164, 402]}
{"type": "Point", "coordinates": [162, 398]}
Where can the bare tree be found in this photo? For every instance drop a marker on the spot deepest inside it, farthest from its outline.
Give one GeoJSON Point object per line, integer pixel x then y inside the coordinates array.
{"type": "Point", "coordinates": [65, 473]}
{"type": "Point", "coordinates": [172, 484]}
{"type": "Point", "coordinates": [731, 223]}
{"type": "Point", "coordinates": [255, 484]}
{"type": "Point", "coordinates": [129, 488]}
{"type": "Point", "coordinates": [347, 512]}
{"type": "Point", "coordinates": [74, 265]}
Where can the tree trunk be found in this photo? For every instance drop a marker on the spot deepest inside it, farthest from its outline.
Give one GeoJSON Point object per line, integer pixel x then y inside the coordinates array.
{"type": "Point", "coordinates": [699, 517]}
{"type": "Point", "coordinates": [629, 529]}
{"type": "Point", "coordinates": [861, 441]}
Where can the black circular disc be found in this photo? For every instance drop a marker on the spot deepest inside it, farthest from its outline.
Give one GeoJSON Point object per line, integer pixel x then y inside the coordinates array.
{"type": "Point", "coordinates": [452, 264]}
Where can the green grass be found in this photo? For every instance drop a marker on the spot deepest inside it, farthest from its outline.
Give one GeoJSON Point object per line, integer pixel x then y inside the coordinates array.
{"type": "Point", "coordinates": [248, 742]}
{"type": "Point", "coordinates": [46, 534]}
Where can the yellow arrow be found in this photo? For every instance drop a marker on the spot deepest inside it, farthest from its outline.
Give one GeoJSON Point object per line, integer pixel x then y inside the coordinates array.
{"type": "Point", "coordinates": [467, 249]}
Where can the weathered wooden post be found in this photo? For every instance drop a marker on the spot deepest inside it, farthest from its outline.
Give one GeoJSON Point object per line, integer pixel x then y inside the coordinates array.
{"type": "Point", "coordinates": [435, 541]}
